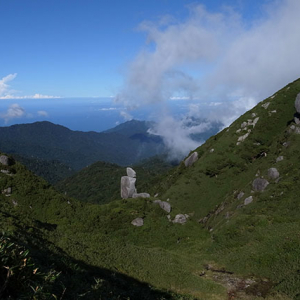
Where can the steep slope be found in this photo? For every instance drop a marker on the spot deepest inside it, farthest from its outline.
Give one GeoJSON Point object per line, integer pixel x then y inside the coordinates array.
{"type": "Point", "coordinates": [46, 141]}
{"type": "Point", "coordinates": [253, 231]}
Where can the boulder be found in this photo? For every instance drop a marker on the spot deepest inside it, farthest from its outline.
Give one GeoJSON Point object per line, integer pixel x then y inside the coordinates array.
{"type": "Point", "coordinates": [130, 172]}
{"type": "Point", "coordinates": [244, 124]}
{"type": "Point", "coordinates": [191, 159]}
{"type": "Point", "coordinates": [5, 160]}
{"type": "Point", "coordinates": [138, 222]}
{"type": "Point", "coordinates": [164, 205]}
{"type": "Point", "coordinates": [259, 184]}
{"type": "Point", "coordinates": [273, 173]}
{"type": "Point", "coordinates": [127, 187]}
{"type": "Point", "coordinates": [265, 105]}
{"type": "Point", "coordinates": [180, 218]}
{"type": "Point", "coordinates": [297, 103]}
{"type": "Point", "coordinates": [248, 200]}
{"type": "Point", "coordinates": [243, 137]}
{"type": "Point", "coordinates": [141, 195]}
{"type": "Point", "coordinates": [240, 195]}
{"type": "Point", "coordinates": [279, 158]}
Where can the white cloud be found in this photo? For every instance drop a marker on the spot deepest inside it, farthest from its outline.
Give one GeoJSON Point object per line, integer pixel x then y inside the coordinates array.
{"type": "Point", "coordinates": [217, 57]}
{"type": "Point", "coordinates": [126, 116]}
{"type": "Point", "coordinates": [4, 87]}
{"type": "Point", "coordinates": [107, 109]}
{"type": "Point", "coordinates": [14, 111]}
{"type": "Point", "coordinates": [42, 113]}
{"type": "Point", "coordinates": [7, 93]}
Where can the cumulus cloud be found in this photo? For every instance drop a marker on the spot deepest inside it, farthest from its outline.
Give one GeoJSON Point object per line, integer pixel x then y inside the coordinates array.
{"type": "Point", "coordinates": [216, 57]}
{"type": "Point", "coordinates": [14, 111]}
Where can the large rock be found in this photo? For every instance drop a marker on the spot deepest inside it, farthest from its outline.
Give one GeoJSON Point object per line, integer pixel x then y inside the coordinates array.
{"type": "Point", "coordinates": [141, 195]}
{"type": "Point", "coordinates": [273, 173]}
{"type": "Point", "coordinates": [138, 222]}
{"type": "Point", "coordinates": [248, 200]}
{"type": "Point", "coordinates": [279, 158]}
{"type": "Point", "coordinates": [130, 172]}
{"type": "Point", "coordinates": [164, 205]}
{"type": "Point", "coordinates": [191, 159]}
{"type": "Point", "coordinates": [127, 187]}
{"type": "Point", "coordinates": [180, 218]}
{"type": "Point", "coordinates": [297, 103]}
{"type": "Point", "coordinates": [259, 184]}
{"type": "Point", "coordinates": [4, 160]}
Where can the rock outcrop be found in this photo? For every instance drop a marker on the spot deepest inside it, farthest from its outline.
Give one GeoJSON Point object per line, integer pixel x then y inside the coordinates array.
{"type": "Point", "coordinates": [5, 160]}
{"type": "Point", "coordinates": [297, 103]}
{"type": "Point", "coordinates": [164, 205]}
{"type": "Point", "coordinates": [191, 159]}
{"type": "Point", "coordinates": [273, 173]}
{"type": "Point", "coordinates": [130, 172]}
{"type": "Point", "coordinates": [127, 187]}
{"type": "Point", "coordinates": [259, 184]}
{"type": "Point", "coordinates": [248, 200]}
{"type": "Point", "coordinates": [138, 222]}
{"type": "Point", "coordinates": [180, 218]}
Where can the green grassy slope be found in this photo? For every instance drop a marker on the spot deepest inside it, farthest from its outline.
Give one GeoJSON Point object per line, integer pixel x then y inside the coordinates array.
{"type": "Point", "coordinates": [225, 250]}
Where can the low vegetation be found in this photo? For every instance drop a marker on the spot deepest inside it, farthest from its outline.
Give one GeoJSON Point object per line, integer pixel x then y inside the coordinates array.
{"type": "Point", "coordinates": [229, 248]}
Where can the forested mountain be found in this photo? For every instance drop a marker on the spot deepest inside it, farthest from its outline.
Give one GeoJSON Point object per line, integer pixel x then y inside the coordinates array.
{"type": "Point", "coordinates": [128, 144]}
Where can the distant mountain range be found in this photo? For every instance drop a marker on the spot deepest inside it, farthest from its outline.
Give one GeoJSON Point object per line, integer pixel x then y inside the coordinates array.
{"type": "Point", "coordinates": [56, 152]}
{"type": "Point", "coordinates": [125, 144]}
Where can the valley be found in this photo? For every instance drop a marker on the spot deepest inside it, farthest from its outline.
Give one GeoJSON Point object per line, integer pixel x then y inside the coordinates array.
{"type": "Point", "coordinates": [240, 239]}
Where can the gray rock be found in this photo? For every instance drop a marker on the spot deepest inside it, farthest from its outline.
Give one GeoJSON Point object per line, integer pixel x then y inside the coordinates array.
{"type": "Point", "coordinates": [7, 191]}
{"type": "Point", "coordinates": [240, 195]}
{"type": "Point", "coordinates": [244, 124]}
{"type": "Point", "coordinates": [191, 159]}
{"type": "Point", "coordinates": [259, 184]}
{"type": "Point", "coordinates": [243, 137]}
{"type": "Point", "coordinates": [138, 222]}
{"type": "Point", "coordinates": [297, 103]}
{"type": "Point", "coordinates": [248, 200]}
{"type": "Point", "coordinates": [141, 195]}
{"type": "Point", "coordinates": [273, 173]}
{"type": "Point", "coordinates": [279, 158]}
{"type": "Point", "coordinates": [164, 205]}
{"type": "Point", "coordinates": [14, 202]}
{"type": "Point", "coordinates": [130, 172]}
{"type": "Point", "coordinates": [297, 130]}
{"type": "Point", "coordinates": [4, 160]}
{"type": "Point", "coordinates": [127, 187]}
{"type": "Point", "coordinates": [265, 105]}
{"type": "Point", "coordinates": [180, 218]}
{"type": "Point", "coordinates": [253, 115]}
{"type": "Point", "coordinates": [297, 119]}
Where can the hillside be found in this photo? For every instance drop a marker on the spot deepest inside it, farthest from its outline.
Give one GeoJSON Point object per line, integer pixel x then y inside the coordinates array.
{"type": "Point", "coordinates": [100, 182]}
{"type": "Point", "coordinates": [77, 149]}
{"type": "Point", "coordinates": [232, 233]}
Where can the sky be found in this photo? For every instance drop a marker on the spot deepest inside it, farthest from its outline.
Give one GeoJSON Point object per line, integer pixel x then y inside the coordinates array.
{"type": "Point", "coordinates": [70, 61]}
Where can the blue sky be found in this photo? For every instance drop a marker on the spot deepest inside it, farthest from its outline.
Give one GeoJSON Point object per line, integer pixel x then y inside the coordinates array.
{"type": "Point", "coordinates": [132, 56]}
{"type": "Point", "coordinates": [81, 48]}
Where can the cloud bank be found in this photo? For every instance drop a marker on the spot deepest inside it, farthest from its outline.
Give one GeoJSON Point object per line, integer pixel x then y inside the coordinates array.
{"type": "Point", "coordinates": [216, 57]}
